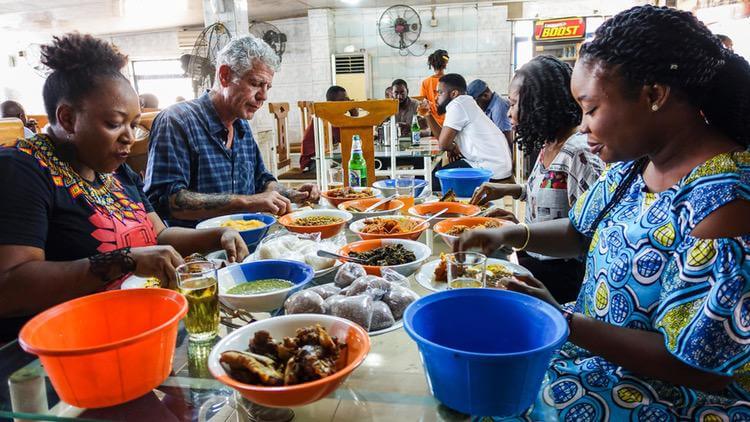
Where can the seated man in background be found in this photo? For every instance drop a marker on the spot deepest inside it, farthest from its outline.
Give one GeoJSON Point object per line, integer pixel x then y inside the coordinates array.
{"type": "Point", "coordinates": [468, 136]}
{"type": "Point", "coordinates": [14, 109]}
{"type": "Point", "coordinates": [149, 101]}
{"type": "Point", "coordinates": [493, 105]}
{"type": "Point", "coordinates": [306, 162]}
{"type": "Point", "coordinates": [203, 161]}
{"type": "Point", "coordinates": [407, 108]}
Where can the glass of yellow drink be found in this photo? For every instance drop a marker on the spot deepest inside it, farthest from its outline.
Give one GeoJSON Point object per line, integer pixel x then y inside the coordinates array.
{"type": "Point", "coordinates": [405, 187]}
{"type": "Point", "coordinates": [466, 269]}
{"type": "Point", "coordinates": [197, 281]}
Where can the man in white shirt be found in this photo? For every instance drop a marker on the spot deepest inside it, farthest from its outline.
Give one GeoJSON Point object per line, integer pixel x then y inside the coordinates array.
{"type": "Point", "coordinates": [469, 137]}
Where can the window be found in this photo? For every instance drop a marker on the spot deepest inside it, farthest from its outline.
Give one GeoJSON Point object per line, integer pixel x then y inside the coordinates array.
{"type": "Point", "coordinates": [163, 78]}
{"type": "Point", "coordinates": [523, 50]}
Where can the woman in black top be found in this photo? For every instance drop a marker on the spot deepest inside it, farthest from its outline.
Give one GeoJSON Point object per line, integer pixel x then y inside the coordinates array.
{"type": "Point", "coordinates": [74, 219]}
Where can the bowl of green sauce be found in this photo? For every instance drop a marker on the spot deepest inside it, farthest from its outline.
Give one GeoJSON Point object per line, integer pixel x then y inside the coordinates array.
{"type": "Point", "coordinates": [262, 286]}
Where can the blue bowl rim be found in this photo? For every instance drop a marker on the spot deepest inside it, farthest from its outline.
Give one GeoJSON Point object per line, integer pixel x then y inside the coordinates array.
{"type": "Point", "coordinates": [267, 219]}
{"type": "Point", "coordinates": [418, 183]}
{"type": "Point", "coordinates": [451, 173]}
{"type": "Point", "coordinates": [308, 270]}
{"type": "Point", "coordinates": [434, 297]}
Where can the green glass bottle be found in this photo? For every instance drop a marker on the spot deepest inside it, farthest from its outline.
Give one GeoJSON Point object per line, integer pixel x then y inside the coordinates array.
{"type": "Point", "coordinates": [415, 136]}
{"type": "Point", "coordinates": [357, 165]}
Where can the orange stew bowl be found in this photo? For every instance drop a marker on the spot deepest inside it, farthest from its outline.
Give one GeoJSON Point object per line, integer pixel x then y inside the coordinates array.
{"type": "Point", "coordinates": [335, 201]}
{"type": "Point", "coordinates": [455, 210]}
{"type": "Point", "coordinates": [326, 230]}
{"type": "Point", "coordinates": [442, 228]}
{"type": "Point", "coordinates": [357, 227]}
{"type": "Point", "coordinates": [357, 346]}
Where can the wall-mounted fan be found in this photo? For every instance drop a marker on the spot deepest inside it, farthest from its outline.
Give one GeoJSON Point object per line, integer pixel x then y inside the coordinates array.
{"type": "Point", "coordinates": [399, 26]}
{"type": "Point", "coordinates": [271, 35]}
{"type": "Point", "coordinates": [200, 64]}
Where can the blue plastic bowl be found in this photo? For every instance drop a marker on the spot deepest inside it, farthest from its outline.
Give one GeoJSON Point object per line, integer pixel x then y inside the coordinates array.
{"type": "Point", "coordinates": [462, 181]}
{"type": "Point", "coordinates": [299, 273]}
{"type": "Point", "coordinates": [485, 351]}
{"type": "Point", "coordinates": [251, 237]}
{"type": "Point", "coordinates": [388, 186]}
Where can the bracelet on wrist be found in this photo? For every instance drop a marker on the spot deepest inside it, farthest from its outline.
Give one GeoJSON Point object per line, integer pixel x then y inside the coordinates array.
{"type": "Point", "coordinates": [528, 236]}
{"type": "Point", "coordinates": [568, 315]}
{"type": "Point", "coordinates": [112, 265]}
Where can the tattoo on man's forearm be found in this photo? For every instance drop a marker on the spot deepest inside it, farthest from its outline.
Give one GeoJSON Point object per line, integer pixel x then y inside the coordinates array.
{"type": "Point", "coordinates": [284, 191]}
{"type": "Point", "coordinates": [193, 201]}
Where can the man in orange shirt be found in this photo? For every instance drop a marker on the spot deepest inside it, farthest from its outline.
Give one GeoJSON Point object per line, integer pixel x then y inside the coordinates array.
{"type": "Point", "coordinates": [437, 61]}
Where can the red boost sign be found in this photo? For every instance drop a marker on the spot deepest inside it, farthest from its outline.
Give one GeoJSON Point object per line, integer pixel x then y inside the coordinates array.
{"type": "Point", "coordinates": [560, 29]}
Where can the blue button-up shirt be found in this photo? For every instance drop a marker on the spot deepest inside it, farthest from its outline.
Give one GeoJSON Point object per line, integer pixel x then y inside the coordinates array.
{"type": "Point", "coordinates": [186, 151]}
{"type": "Point", "coordinates": [497, 111]}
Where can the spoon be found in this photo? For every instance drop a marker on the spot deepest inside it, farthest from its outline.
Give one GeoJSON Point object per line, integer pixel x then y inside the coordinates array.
{"type": "Point", "coordinates": [379, 203]}
{"type": "Point", "coordinates": [326, 254]}
{"type": "Point", "coordinates": [432, 217]}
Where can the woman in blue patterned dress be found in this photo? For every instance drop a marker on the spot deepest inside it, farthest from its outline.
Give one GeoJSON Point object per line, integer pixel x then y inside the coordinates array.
{"type": "Point", "coordinates": [661, 328]}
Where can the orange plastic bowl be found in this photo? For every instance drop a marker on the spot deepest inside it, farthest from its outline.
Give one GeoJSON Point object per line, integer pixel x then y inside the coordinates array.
{"type": "Point", "coordinates": [442, 228]}
{"type": "Point", "coordinates": [336, 201]}
{"type": "Point", "coordinates": [357, 346]}
{"type": "Point", "coordinates": [455, 210]}
{"type": "Point", "coordinates": [357, 226]}
{"type": "Point", "coordinates": [326, 231]}
{"type": "Point", "coordinates": [108, 348]}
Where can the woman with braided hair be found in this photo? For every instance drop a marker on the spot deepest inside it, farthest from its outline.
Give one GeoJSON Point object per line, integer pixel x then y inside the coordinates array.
{"type": "Point", "coordinates": [661, 327]}
{"type": "Point", "coordinates": [545, 117]}
{"type": "Point", "coordinates": [437, 61]}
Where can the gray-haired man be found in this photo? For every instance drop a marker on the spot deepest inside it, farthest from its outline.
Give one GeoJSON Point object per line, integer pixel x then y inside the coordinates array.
{"type": "Point", "coordinates": [203, 160]}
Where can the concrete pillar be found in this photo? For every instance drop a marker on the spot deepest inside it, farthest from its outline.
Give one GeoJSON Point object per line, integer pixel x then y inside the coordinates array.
{"type": "Point", "coordinates": [232, 13]}
{"type": "Point", "coordinates": [322, 36]}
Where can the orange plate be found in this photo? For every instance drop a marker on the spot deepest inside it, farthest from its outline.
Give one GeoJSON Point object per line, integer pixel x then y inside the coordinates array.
{"type": "Point", "coordinates": [107, 348]}
{"type": "Point", "coordinates": [393, 204]}
{"type": "Point", "coordinates": [453, 207]}
{"type": "Point", "coordinates": [336, 201]}
{"type": "Point", "coordinates": [326, 231]}
{"type": "Point", "coordinates": [412, 235]}
{"type": "Point", "coordinates": [357, 347]}
{"type": "Point", "coordinates": [443, 227]}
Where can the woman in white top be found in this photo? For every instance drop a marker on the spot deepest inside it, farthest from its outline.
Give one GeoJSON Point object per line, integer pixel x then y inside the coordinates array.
{"type": "Point", "coordinates": [545, 118]}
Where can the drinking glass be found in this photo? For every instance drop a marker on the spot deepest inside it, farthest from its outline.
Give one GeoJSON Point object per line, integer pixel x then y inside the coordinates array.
{"type": "Point", "coordinates": [466, 269]}
{"type": "Point", "coordinates": [405, 187]}
{"type": "Point", "coordinates": [197, 281]}
{"type": "Point", "coordinates": [335, 177]}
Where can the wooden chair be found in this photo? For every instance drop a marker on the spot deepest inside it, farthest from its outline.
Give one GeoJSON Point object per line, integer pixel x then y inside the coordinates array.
{"type": "Point", "coordinates": [306, 115]}
{"type": "Point", "coordinates": [282, 168]}
{"type": "Point", "coordinates": [11, 130]}
{"type": "Point", "coordinates": [372, 113]}
{"type": "Point", "coordinates": [139, 151]}
{"type": "Point", "coordinates": [418, 97]}
{"type": "Point", "coordinates": [41, 120]}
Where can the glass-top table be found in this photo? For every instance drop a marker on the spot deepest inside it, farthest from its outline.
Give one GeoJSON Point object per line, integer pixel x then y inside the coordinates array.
{"type": "Point", "coordinates": [389, 386]}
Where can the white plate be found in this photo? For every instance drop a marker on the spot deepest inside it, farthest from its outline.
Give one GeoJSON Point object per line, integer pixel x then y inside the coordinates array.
{"type": "Point", "coordinates": [426, 274]}
{"type": "Point", "coordinates": [133, 282]}
{"type": "Point", "coordinates": [398, 325]}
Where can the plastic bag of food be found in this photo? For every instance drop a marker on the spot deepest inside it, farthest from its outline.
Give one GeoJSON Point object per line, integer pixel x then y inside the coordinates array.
{"type": "Point", "coordinates": [354, 308]}
{"type": "Point", "coordinates": [305, 302]}
{"type": "Point", "coordinates": [394, 277]}
{"type": "Point", "coordinates": [348, 273]}
{"type": "Point", "coordinates": [382, 317]}
{"type": "Point", "coordinates": [284, 245]}
{"type": "Point", "coordinates": [326, 290]}
{"type": "Point", "coordinates": [370, 285]}
{"type": "Point", "coordinates": [333, 300]}
{"type": "Point", "coordinates": [398, 299]}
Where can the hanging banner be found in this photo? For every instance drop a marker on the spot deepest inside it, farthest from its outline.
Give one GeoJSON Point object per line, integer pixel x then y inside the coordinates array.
{"type": "Point", "coordinates": [560, 29]}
